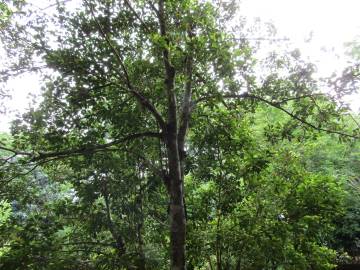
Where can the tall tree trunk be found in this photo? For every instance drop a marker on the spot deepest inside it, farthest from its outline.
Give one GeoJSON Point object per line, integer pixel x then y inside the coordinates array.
{"type": "Point", "coordinates": [119, 241]}
{"type": "Point", "coordinates": [177, 209]}
{"type": "Point", "coordinates": [139, 227]}
{"type": "Point", "coordinates": [176, 179]}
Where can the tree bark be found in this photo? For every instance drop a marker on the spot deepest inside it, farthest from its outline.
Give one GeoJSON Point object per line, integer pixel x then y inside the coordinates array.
{"type": "Point", "coordinates": [139, 227]}
{"type": "Point", "coordinates": [119, 241]}
{"type": "Point", "coordinates": [176, 190]}
{"type": "Point", "coordinates": [177, 209]}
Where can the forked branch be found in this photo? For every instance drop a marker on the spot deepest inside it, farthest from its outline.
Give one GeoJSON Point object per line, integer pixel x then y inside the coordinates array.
{"type": "Point", "coordinates": [140, 97]}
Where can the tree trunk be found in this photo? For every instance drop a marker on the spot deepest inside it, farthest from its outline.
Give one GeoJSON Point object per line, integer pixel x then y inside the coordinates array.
{"type": "Point", "coordinates": [177, 209]}
{"type": "Point", "coordinates": [176, 191]}
{"type": "Point", "coordinates": [238, 265]}
{"type": "Point", "coordinates": [139, 227]}
{"type": "Point", "coordinates": [118, 239]}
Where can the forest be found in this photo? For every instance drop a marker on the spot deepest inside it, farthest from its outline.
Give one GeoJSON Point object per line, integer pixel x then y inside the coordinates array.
{"type": "Point", "coordinates": [163, 139]}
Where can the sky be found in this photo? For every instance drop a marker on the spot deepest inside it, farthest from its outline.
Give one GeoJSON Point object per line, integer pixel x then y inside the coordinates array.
{"type": "Point", "coordinates": [330, 23]}
{"type": "Point", "coordinates": [333, 21]}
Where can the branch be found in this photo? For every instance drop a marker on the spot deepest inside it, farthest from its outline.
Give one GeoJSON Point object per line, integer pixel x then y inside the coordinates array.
{"type": "Point", "coordinates": [6, 160]}
{"type": "Point", "coordinates": [186, 110]}
{"type": "Point", "coordinates": [16, 152]}
{"type": "Point", "coordinates": [169, 68]}
{"type": "Point", "coordinates": [355, 121]}
{"type": "Point", "coordinates": [152, 6]}
{"type": "Point", "coordinates": [6, 181]}
{"type": "Point", "coordinates": [137, 16]}
{"type": "Point", "coordinates": [247, 95]}
{"type": "Point", "coordinates": [207, 98]}
{"type": "Point", "coordinates": [299, 97]}
{"type": "Point", "coordinates": [143, 100]}
{"type": "Point", "coordinates": [16, 71]}
{"type": "Point", "coordinates": [89, 243]}
{"type": "Point", "coordinates": [259, 39]}
{"type": "Point", "coordinates": [46, 157]}
{"type": "Point", "coordinates": [303, 121]}
{"type": "Point", "coordinates": [95, 148]}
{"type": "Point", "coordinates": [50, 6]}
{"type": "Point", "coordinates": [277, 106]}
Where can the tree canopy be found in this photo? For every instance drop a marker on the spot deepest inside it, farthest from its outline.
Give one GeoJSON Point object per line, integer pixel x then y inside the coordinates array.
{"type": "Point", "coordinates": [162, 140]}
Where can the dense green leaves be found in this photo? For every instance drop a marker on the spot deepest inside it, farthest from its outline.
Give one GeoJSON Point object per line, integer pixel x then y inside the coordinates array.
{"type": "Point", "coordinates": [143, 101]}
{"type": "Point", "coordinates": [255, 206]}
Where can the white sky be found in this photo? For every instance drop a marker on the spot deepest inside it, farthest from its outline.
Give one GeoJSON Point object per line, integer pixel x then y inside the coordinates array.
{"type": "Point", "coordinates": [332, 23]}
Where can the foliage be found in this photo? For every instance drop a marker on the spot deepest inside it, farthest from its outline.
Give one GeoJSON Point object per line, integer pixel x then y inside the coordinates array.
{"type": "Point", "coordinates": [255, 207]}
{"type": "Point", "coordinates": [143, 101]}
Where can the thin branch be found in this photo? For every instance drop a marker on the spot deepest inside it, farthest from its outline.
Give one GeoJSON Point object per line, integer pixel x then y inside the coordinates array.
{"type": "Point", "coordinates": [259, 38]}
{"type": "Point", "coordinates": [277, 106]}
{"type": "Point", "coordinates": [186, 108]}
{"type": "Point", "coordinates": [6, 160]}
{"type": "Point", "coordinates": [356, 122]}
{"type": "Point", "coordinates": [6, 181]}
{"type": "Point", "coordinates": [50, 6]}
{"type": "Point", "coordinates": [299, 97]}
{"type": "Point", "coordinates": [46, 157]}
{"type": "Point", "coordinates": [20, 174]}
{"type": "Point", "coordinates": [247, 95]}
{"type": "Point", "coordinates": [212, 97]}
{"type": "Point", "coordinates": [137, 16]}
{"type": "Point", "coordinates": [152, 6]}
{"type": "Point", "coordinates": [99, 87]}
{"type": "Point", "coordinates": [89, 243]}
{"type": "Point", "coordinates": [16, 71]}
{"type": "Point", "coordinates": [316, 105]}
{"type": "Point", "coordinates": [143, 100]}
{"type": "Point", "coordinates": [16, 152]}
{"type": "Point", "coordinates": [94, 148]}
{"type": "Point", "coordinates": [303, 121]}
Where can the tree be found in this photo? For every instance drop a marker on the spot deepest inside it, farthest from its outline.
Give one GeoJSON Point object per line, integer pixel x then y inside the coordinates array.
{"type": "Point", "coordinates": [78, 220]}
{"type": "Point", "coordinates": [130, 77]}
{"type": "Point", "coordinates": [252, 203]}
